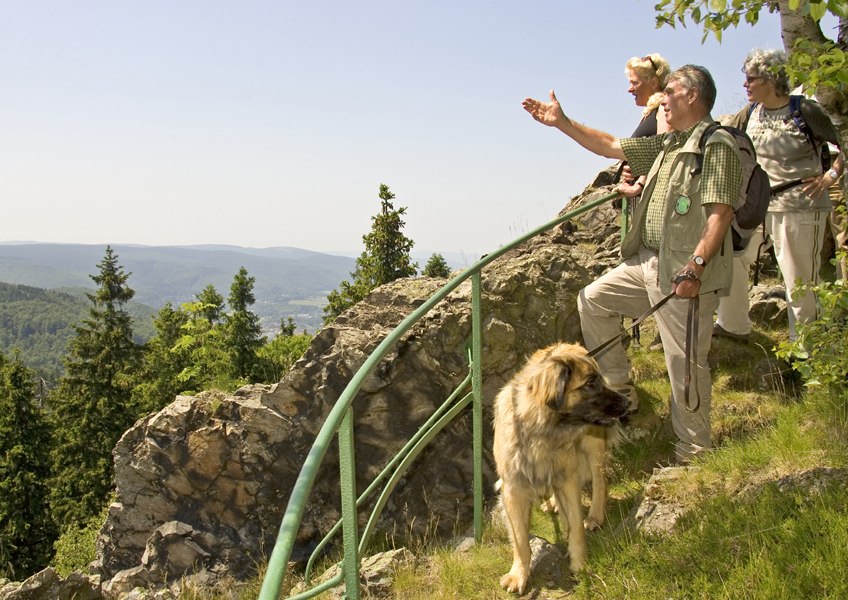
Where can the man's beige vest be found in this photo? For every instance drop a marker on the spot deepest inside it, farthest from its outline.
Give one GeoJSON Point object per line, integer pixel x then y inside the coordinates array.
{"type": "Point", "coordinates": [685, 217]}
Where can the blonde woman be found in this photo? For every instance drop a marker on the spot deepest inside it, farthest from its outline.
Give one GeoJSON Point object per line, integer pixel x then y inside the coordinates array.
{"type": "Point", "coordinates": [647, 77]}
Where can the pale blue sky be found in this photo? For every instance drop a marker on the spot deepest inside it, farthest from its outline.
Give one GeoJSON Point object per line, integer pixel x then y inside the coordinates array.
{"type": "Point", "coordinates": [261, 123]}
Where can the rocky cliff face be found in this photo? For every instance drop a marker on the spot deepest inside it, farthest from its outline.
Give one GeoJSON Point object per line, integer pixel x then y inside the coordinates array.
{"type": "Point", "coordinates": [203, 484]}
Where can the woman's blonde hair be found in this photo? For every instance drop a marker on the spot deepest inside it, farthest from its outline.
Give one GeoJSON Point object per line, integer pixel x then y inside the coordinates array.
{"type": "Point", "coordinates": [652, 65]}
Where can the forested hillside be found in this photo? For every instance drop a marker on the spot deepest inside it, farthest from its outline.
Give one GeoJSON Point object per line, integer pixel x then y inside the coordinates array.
{"type": "Point", "coordinates": [40, 323]}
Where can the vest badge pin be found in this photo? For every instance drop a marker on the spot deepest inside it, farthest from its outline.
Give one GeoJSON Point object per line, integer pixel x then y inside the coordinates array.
{"type": "Point", "coordinates": [681, 207]}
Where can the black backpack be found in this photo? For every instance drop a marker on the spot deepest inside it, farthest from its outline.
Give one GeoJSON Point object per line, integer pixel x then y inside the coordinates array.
{"type": "Point", "coordinates": [756, 189]}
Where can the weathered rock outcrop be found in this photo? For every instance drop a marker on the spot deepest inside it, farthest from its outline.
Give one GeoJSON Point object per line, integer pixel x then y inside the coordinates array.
{"type": "Point", "coordinates": [203, 483]}
{"type": "Point", "coordinates": [48, 585]}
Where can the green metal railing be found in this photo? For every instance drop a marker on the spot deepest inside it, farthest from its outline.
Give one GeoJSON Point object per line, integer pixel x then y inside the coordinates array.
{"type": "Point", "coordinates": [340, 422]}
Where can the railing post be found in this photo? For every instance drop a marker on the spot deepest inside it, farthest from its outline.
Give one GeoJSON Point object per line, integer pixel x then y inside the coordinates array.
{"type": "Point", "coordinates": [350, 527]}
{"type": "Point", "coordinates": [477, 406]}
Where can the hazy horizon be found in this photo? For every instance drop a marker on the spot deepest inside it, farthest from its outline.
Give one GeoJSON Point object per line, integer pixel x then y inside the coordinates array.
{"type": "Point", "coordinates": [268, 124]}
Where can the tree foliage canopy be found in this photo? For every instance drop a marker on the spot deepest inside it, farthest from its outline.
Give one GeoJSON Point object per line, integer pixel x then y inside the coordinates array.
{"type": "Point", "coordinates": [26, 529]}
{"type": "Point", "coordinates": [815, 61]}
{"type": "Point", "coordinates": [436, 266]}
{"type": "Point", "coordinates": [158, 379]}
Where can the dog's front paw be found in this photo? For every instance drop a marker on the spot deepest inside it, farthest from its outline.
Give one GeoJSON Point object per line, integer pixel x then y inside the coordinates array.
{"type": "Point", "coordinates": [514, 582]}
{"type": "Point", "coordinates": [592, 523]}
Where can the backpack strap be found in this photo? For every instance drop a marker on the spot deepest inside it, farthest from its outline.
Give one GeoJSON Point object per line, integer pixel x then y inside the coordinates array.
{"type": "Point", "coordinates": [751, 108]}
{"type": "Point", "coordinates": [800, 121]}
{"type": "Point", "coordinates": [795, 110]}
{"type": "Point", "coordinates": [702, 144]}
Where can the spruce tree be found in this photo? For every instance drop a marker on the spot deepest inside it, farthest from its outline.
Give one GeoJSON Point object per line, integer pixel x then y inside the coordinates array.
{"type": "Point", "coordinates": [287, 327]}
{"type": "Point", "coordinates": [92, 406]}
{"type": "Point", "coordinates": [26, 530]}
{"type": "Point", "coordinates": [386, 257]}
{"type": "Point", "coordinates": [243, 332]}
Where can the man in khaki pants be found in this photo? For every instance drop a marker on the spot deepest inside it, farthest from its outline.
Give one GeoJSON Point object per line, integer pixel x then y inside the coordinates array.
{"type": "Point", "coordinates": [680, 232]}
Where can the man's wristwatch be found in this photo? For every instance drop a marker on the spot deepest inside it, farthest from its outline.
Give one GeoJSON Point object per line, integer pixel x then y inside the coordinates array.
{"type": "Point", "coordinates": [833, 174]}
{"type": "Point", "coordinates": [699, 260]}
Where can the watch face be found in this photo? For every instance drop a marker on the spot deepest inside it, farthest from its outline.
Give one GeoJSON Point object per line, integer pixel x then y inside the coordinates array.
{"type": "Point", "coordinates": [833, 174]}
{"type": "Point", "coordinates": [699, 260]}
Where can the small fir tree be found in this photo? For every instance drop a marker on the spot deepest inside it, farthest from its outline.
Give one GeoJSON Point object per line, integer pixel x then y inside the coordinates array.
{"type": "Point", "coordinates": [213, 304]}
{"type": "Point", "coordinates": [386, 258]}
{"type": "Point", "coordinates": [436, 266]}
{"type": "Point", "coordinates": [243, 332]}
{"type": "Point", "coordinates": [287, 327]}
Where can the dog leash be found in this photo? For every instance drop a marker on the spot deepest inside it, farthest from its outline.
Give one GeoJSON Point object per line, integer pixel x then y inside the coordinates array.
{"type": "Point", "coordinates": [691, 350]}
{"type": "Point", "coordinates": [690, 347]}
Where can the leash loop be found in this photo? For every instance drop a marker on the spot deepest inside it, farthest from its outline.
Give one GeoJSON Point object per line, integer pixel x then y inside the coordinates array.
{"type": "Point", "coordinates": [691, 355]}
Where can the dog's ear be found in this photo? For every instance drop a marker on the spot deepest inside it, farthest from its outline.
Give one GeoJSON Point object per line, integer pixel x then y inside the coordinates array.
{"type": "Point", "coordinates": [561, 385]}
{"type": "Point", "coordinates": [551, 383]}
{"type": "Point", "coordinates": [547, 383]}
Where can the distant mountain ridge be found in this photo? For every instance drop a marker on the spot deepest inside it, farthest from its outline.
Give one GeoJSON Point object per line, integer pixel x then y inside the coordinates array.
{"type": "Point", "coordinates": [289, 281]}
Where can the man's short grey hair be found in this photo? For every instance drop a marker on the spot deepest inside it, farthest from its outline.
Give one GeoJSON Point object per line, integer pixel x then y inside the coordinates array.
{"type": "Point", "coordinates": [771, 66]}
{"type": "Point", "coordinates": [695, 77]}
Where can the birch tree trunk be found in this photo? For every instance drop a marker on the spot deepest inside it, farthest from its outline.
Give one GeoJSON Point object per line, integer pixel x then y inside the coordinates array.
{"type": "Point", "coordinates": [796, 26]}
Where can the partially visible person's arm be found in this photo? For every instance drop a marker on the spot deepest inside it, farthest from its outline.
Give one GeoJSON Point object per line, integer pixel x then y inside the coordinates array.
{"type": "Point", "coordinates": [823, 129]}
{"type": "Point", "coordinates": [630, 186]}
{"type": "Point", "coordinates": [552, 115]}
{"type": "Point", "coordinates": [815, 186]}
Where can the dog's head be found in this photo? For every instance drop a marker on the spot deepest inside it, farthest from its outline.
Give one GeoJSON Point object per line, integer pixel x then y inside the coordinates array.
{"type": "Point", "coordinates": [566, 380]}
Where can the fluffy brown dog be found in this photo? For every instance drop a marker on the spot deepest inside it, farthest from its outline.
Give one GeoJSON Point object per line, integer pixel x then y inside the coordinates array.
{"type": "Point", "coordinates": [552, 424]}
